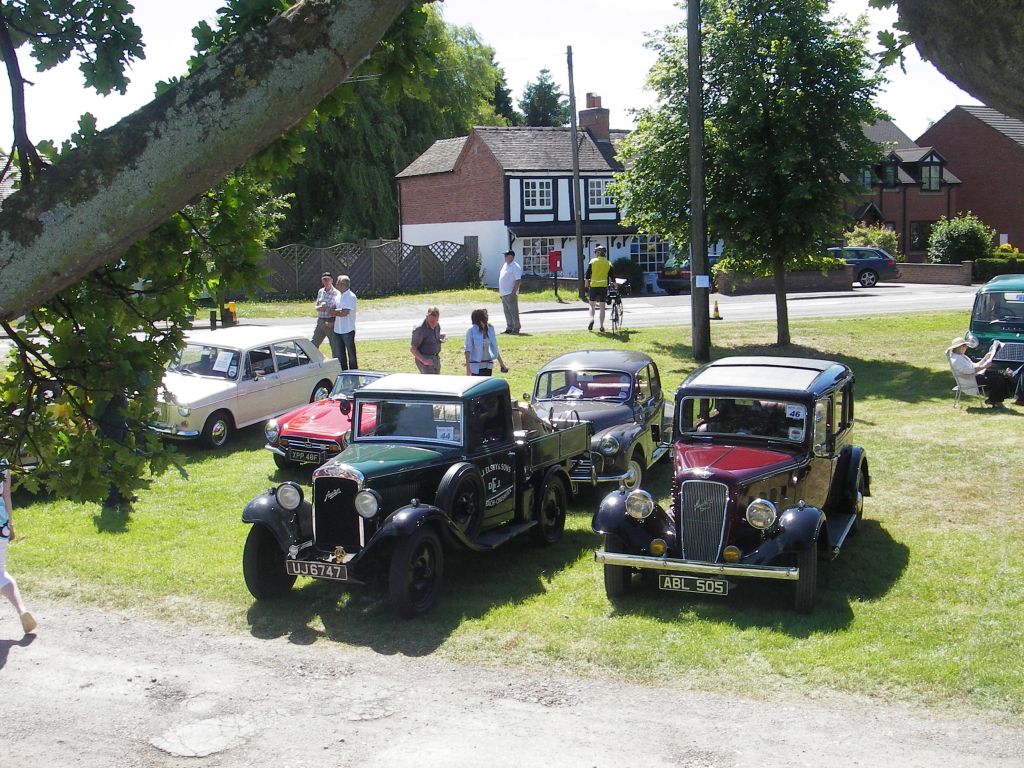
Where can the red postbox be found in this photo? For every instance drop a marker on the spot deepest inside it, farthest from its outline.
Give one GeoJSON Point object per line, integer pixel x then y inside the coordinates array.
{"type": "Point", "coordinates": [554, 261]}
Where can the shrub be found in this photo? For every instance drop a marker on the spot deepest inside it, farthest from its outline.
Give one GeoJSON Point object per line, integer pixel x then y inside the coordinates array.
{"type": "Point", "coordinates": [962, 238]}
{"type": "Point", "coordinates": [986, 269]}
{"type": "Point", "coordinates": [876, 236]}
{"type": "Point", "coordinates": [626, 267]}
{"type": "Point", "coordinates": [1005, 250]}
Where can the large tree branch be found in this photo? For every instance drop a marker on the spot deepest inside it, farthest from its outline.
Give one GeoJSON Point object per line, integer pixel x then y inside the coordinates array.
{"type": "Point", "coordinates": [975, 43]}
{"type": "Point", "coordinates": [89, 208]}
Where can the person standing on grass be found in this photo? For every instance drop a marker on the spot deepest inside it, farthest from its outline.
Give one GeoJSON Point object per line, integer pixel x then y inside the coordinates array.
{"type": "Point", "coordinates": [509, 278]}
{"type": "Point", "coordinates": [8, 586]}
{"type": "Point", "coordinates": [345, 324]}
{"type": "Point", "coordinates": [426, 342]}
{"type": "Point", "coordinates": [599, 273]}
{"type": "Point", "coordinates": [326, 302]}
{"type": "Point", "coordinates": [482, 346]}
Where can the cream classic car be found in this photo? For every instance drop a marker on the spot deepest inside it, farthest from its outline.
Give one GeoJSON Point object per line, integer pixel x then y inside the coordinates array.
{"type": "Point", "coordinates": [230, 378]}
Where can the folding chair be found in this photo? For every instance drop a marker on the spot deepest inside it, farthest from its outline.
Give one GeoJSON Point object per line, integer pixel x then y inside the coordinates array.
{"type": "Point", "coordinates": [966, 384]}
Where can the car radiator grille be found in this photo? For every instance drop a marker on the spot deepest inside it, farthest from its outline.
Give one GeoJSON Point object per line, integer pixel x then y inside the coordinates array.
{"type": "Point", "coordinates": [312, 444]}
{"type": "Point", "coordinates": [335, 521]}
{"type": "Point", "coordinates": [1012, 352]}
{"type": "Point", "coordinates": [702, 508]}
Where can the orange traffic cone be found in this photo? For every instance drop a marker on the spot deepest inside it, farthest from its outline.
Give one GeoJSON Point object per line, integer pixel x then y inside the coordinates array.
{"type": "Point", "coordinates": [715, 315]}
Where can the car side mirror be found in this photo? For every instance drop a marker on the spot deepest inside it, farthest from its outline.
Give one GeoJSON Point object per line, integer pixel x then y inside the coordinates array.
{"type": "Point", "coordinates": [821, 450]}
{"type": "Point", "coordinates": [526, 397]}
{"type": "Point", "coordinates": [640, 397]}
{"type": "Point", "coordinates": [345, 406]}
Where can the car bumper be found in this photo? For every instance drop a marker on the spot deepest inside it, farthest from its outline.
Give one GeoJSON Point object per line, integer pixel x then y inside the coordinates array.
{"type": "Point", "coordinates": [645, 562]}
{"type": "Point", "coordinates": [175, 434]}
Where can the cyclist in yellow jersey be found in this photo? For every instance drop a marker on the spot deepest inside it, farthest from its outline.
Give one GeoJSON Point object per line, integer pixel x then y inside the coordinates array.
{"type": "Point", "coordinates": [599, 274]}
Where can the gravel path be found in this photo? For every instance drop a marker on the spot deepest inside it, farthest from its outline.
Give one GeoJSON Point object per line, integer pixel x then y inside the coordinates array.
{"type": "Point", "coordinates": [104, 690]}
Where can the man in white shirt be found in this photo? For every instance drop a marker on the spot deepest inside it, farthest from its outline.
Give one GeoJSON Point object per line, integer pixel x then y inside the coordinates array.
{"type": "Point", "coordinates": [326, 302]}
{"type": "Point", "coordinates": [508, 289]}
{"type": "Point", "coordinates": [345, 324]}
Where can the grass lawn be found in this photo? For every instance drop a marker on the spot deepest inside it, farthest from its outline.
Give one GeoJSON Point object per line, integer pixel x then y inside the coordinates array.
{"type": "Point", "coordinates": [924, 605]}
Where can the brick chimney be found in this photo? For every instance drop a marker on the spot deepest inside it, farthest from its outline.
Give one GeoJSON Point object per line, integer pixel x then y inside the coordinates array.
{"type": "Point", "coordinates": [595, 119]}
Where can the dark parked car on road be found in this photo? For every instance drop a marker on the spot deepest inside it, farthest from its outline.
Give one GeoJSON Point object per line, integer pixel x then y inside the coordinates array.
{"type": "Point", "coordinates": [434, 461]}
{"type": "Point", "coordinates": [674, 274]}
{"type": "Point", "coordinates": [869, 264]}
{"type": "Point", "coordinates": [766, 482]}
{"type": "Point", "coordinates": [619, 393]}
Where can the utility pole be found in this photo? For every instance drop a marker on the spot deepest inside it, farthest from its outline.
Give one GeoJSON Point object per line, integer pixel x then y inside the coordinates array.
{"type": "Point", "coordinates": [700, 279]}
{"type": "Point", "coordinates": [577, 216]}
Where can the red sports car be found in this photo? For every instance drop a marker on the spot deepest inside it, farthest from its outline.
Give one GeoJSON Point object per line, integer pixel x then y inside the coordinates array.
{"type": "Point", "coordinates": [314, 433]}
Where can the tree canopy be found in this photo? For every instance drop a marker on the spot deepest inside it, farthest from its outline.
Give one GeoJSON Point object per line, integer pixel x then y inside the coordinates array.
{"type": "Point", "coordinates": [104, 309]}
{"type": "Point", "coordinates": [543, 103]}
{"type": "Point", "coordinates": [786, 96]}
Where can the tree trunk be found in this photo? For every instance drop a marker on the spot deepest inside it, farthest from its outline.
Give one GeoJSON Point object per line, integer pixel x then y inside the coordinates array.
{"type": "Point", "coordinates": [88, 209]}
{"type": "Point", "coordinates": [781, 308]}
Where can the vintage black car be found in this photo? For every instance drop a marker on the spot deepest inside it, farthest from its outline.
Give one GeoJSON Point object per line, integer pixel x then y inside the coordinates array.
{"type": "Point", "coordinates": [432, 461]}
{"type": "Point", "coordinates": [766, 482]}
{"type": "Point", "coordinates": [619, 393]}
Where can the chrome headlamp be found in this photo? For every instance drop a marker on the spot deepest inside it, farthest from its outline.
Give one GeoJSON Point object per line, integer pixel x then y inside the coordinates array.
{"type": "Point", "coordinates": [288, 495]}
{"type": "Point", "coordinates": [761, 514]}
{"type": "Point", "coordinates": [367, 503]}
{"type": "Point", "coordinates": [608, 445]}
{"type": "Point", "coordinates": [639, 505]}
{"type": "Point", "coordinates": [272, 430]}
{"type": "Point", "coordinates": [184, 410]}
{"type": "Point", "coordinates": [972, 340]}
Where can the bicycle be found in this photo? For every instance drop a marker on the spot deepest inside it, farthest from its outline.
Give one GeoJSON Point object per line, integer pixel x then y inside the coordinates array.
{"type": "Point", "coordinates": [619, 286]}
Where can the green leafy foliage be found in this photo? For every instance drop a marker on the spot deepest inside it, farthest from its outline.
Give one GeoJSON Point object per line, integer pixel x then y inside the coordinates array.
{"type": "Point", "coordinates": [877, 236]}
{"type": "Point", "coordinates": [785, 95]}
{"type": "Point", "coordinates": [543, 103]}
{"type": "Point", "coordinates": [962, 238]}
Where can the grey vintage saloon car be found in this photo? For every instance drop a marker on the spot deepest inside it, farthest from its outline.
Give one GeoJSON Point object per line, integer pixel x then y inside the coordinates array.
{"type": "Point", "coordinates": [433, 462]}
{"type": "Point", "coordinates": [619, 393]}
{"type": "Point", "coordinates": [766, 482]}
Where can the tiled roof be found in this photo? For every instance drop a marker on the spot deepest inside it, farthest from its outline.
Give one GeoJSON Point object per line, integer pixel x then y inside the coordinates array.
{"type": "Point", "coordinates": [1010, 127]}
{"type": "Point", "coordinates": [885, 132]}
{"type": "Point", "coordinates": [440, 157]}
{"type": "Point", "coordinates": [521, 149]}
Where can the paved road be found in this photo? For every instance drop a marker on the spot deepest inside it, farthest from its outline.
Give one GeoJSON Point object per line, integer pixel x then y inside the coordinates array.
{"type": "Point", "coordinates": [646, 311]}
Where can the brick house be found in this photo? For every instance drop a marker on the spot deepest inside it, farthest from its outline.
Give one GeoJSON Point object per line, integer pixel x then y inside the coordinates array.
{"type": "Point", "coordinates": [986, 149]}
{"type": "Point", "coordinates": [512, 188]}
{"type": "Point", "coordinates": [908, 190]}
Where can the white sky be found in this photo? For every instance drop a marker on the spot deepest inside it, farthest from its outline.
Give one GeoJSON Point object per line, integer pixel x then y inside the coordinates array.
{"type": "Point", "coordinates": [607, 39]}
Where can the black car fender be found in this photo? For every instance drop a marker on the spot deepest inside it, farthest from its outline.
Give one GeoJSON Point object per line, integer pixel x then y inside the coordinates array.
{"type": "Point", "coordinates": [797, 529]}
{"type": "Point", "coordinates": [844, 482]}
{"type": "Point", "coordinates": [611, 519]}
{"type": "Point", "coordinates": [626, 434]}
{"type": "Point", "coordinates": [264, 510]}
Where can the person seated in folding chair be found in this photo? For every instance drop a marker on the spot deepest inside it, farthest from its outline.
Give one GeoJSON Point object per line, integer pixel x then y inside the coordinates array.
{"type": "Point", "coordinates": [998, 384]}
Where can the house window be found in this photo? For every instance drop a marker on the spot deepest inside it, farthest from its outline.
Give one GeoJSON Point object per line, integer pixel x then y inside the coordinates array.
{"type": "Point", "coordinates": [931, 175]}
{"type": "Point", "coordinates": [598, 195]}
{"type": "Point", "coordinates": [537, 194]}
{"type": "Point", "coordinates": [535, 254]}
{"type": "Point", "coordinates": [648, 252]}
{"type": "Point", "coordinates": [920, 231]}
{"type": "Point", "coordinates": [867, 178]}
{"type": "Point", "coordinates": [891, 178]}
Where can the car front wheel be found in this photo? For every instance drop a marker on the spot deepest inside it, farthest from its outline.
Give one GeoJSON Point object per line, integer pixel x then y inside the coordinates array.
{"type": "Point", "coordinates": [263, 565]}
{"type": "Point", "coordinates": [321, 391]}
{"type": "Point", "coordinates": [283, 463]}
{"type": "Point", "coordinates": [868, 278]}
{"type": "Point", "coordinates": [217, 430]}
{"type": "Point", "coordinates": [807, 582]}
{"type": "Point", "coordinates": [416, 572]}
{"type": "Point", "coordinates": [634, 471]}
{"type": "Point", "coordinates": [617, 578]}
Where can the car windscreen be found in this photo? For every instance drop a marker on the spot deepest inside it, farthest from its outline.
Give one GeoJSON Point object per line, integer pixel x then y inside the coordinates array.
{"type": "Point", "coordinates": [999, 308]}
{"type": "Point", "coordinates": [202, 360]}
{"type": "Point", "coordinates": [414, 420]}
{"type": "Point", "coordinates": [585, 384]}
{"type": "Point", "coordinates": [348, 382]}
{"type": "Point", "coordinates": [772, 419]}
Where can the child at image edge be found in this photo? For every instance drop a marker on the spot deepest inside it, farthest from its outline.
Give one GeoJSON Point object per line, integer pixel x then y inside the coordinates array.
{"type": "Point", "coordinates": [8, 586]}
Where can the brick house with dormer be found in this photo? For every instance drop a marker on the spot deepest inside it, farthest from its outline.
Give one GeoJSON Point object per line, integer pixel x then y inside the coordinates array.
{"type": "Point", "coordinates": [512, 188]}
{"type": "Point", "coordinates": [986, 149]}
{"type": "Point", "coordinates": [907, 190]}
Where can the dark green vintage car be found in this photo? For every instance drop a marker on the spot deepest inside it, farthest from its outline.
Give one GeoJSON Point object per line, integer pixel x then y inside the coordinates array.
{"type": "Point", "coordinates": [433, 461]}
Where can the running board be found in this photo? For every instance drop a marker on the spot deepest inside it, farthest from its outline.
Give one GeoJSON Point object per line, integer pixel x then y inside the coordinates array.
{"type": "Point", "coordinates": [497, 537]}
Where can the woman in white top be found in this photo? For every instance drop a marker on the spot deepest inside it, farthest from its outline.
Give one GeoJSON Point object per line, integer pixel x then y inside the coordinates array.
{"type": "Point", "coordinates": [998, 384]}
{"type": "Point", "coordinates": [8, 586]}
{"type": "Point", "coordinates": [482, 346]}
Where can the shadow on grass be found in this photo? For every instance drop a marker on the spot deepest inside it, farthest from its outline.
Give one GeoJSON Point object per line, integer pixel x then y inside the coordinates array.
{"type": "Point", "coordinates": [866, 569]}
{"type": "Point", "coordinates": [876, 378]}
{"type": "Point", "coordinates": [474, 584]}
